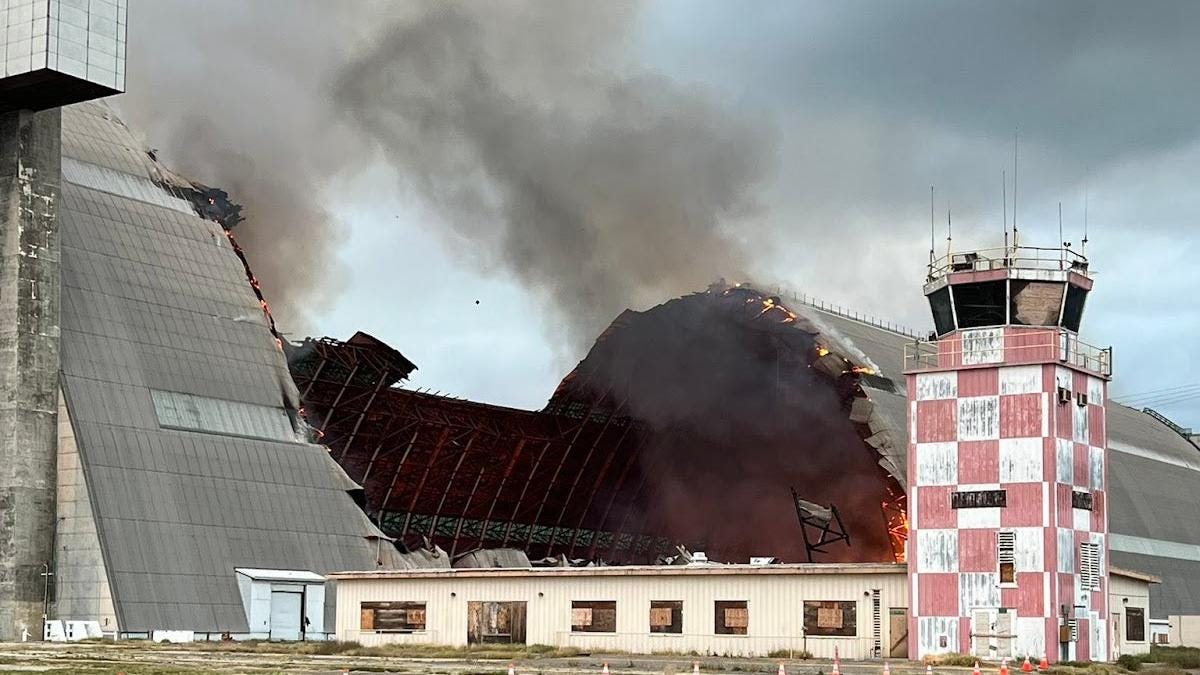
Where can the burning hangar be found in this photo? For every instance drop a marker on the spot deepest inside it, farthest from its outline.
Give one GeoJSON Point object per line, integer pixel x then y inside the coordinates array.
{"type": "Point", "coordinates": [169, 455]}
{"type": "Point", "coordinates": [184, 427]}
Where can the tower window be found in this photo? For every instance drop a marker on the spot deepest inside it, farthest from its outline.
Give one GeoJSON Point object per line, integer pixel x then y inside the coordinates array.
{"type": "Point", "coordinates": [1089, 566]}
{"type": "Point", "coordinates": [1006, 545]}
{"type": "Point", "coordinates": [981, 304]}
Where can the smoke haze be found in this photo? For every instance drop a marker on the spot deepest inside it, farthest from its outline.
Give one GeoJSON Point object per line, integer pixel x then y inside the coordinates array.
{"type": "Point", "coordinates": [243, 106]}
{"type": "Point", "coordinates": [598, 186]}
{"type": "Point", "coordinates": [515, 129]}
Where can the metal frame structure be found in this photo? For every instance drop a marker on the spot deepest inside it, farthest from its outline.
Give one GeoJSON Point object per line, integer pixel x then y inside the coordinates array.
{"type": "Point", "coordinates": [825, 520]}
{"type": "Point", "coordinates": [469, 475]}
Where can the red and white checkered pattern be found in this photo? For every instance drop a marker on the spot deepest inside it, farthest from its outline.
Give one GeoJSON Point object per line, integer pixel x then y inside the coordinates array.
{"type": "Point", "coordinates": [997, 426]}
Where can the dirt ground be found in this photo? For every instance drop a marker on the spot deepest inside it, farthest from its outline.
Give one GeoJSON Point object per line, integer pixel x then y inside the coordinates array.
{"type": "Point", "coordinates": [131, 658]}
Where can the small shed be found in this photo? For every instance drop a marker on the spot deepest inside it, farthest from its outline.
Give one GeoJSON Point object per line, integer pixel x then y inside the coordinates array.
{"type": "Point", "coordinates": [283, 604]}
{"type": "Point", "coordinates": [1129, 603]}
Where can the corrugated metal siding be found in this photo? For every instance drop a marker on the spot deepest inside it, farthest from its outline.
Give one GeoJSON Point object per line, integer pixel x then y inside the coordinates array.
{"type": "Point", "coordinates": [775, 604]}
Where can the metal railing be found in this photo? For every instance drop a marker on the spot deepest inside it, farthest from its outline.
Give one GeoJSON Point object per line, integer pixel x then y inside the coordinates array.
{"type": "Point", "coordinates": [789, 296]}
{"type": "Point", "coordinates": [1023, 257]}
{"type": "Point", "coordinates": [996, 346]}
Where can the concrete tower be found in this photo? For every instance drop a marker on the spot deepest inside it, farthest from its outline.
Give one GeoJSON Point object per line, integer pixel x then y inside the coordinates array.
{"type": "Point", "coordinates": [55, 52]}
{"type": "Point", "coordinates": [1007, 462]}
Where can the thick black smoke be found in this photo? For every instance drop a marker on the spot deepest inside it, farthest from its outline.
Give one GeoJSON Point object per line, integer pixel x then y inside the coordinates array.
{"type": "Point", "coordinates": [736, 415]}
{"type": "Point", "coordinates": [596, 185]}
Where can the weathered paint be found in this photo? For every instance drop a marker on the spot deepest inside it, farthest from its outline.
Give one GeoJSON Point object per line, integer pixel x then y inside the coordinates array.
{"type": "Point", "coordinates": [1009, 431]}
{"type": "Point", "coordinates": [1031, 636]}
{"type": "Point", "coordinates": [982, 345]}
{"type": "Point", "coordinates": [1030, 553]}
{"type": "Point", "coordinates": [1021, 462]}
{"type": "Point", "coordinates": [1064, 461]}
{"type": "Point", "coordinates": [933, 386]}
{"type": "Point", "coordinates": [978, 418]}
{"type": "Point", "coordinates": [937, 463]}
{"type": "Point", "coordinates": [1021, 415]}
{"type": "Point", "coordinates": [1021, 380]}
{"type": "Point", "coordinates": [978, 590]}
{"type": "Point", "coordinates": [979, 462]}
{"type": "Point", "coordinates": [937, 635]}
{"type": "Point", "coordinates": [937, 550]}
{"type": "Point", "coordinates": [986, 518]}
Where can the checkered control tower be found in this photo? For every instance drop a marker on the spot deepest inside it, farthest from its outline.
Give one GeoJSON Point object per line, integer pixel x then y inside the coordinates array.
{"type": "Point", "coordinates": [1007, 462]}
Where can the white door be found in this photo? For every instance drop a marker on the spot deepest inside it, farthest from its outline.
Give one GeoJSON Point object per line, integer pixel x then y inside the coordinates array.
{"type": "Point", "coordinates": [286, 613]}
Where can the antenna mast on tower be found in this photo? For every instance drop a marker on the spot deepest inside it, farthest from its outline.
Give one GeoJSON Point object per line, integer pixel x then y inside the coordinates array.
{"type": "Point", "coordinates": [1004, 199]}
{"type": "Point", "coordinates": [1016, 237]}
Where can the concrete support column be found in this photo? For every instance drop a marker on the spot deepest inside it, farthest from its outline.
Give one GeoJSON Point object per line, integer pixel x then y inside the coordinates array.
{"type": "Point", "coordinates": [30, 175]}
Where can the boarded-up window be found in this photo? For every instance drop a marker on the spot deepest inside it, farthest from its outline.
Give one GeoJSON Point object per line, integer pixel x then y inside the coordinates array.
{"type": "Point", "coordinates": [666, 616]}
{"type": "Point", "coordinates": [495, 622]}
{"type": "Point", "coordinates": [1006, 554]}
{"type": "Point", "coordinates": [392, 617]}
{"type": "Point", "coordinates": [594, 616]}
{"type": "Point", "coordinates": [731, 617]}
{"type": "Point", "coordinates": [837, 618]}
{"type": "Point", "coordinates": [1135, 624]}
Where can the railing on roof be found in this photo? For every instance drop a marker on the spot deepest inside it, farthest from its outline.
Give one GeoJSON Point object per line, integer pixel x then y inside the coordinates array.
{"type": "Point", "coordinates": [847, 313]}
{"type": "Point", "coordinates": [1028, 346]}
{"type": "Point", "coordinates": [1023, 257]}
{"type": "Point", "coordinates": [1186, 432]}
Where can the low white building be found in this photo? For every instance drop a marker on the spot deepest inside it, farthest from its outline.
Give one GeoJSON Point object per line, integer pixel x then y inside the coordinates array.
{"type": "Point", "coordinates": [859, 609]}
{"type": "Point", "coordinates": [1129, 603]}
{"type": "Point", "coordinates": [282, 604]}
{"type": "Point", "coordinates": [748, 610]}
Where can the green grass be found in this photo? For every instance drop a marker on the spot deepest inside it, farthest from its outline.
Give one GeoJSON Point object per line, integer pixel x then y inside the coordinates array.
{"type": "Point", "coordinates": [801, 654]}
{"type": "Point", "coordinates": [1167, 658]}
{"type": "Point", "coordinates": [952, 660]}
{"type": "Point", "coordinates": [419, 651]}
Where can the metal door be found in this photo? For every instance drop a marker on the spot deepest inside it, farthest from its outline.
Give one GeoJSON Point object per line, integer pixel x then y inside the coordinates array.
{"type": "Point", "coordinates": [286, 614]}
{"type": "Point", "coordinates": [898, 632]}
{"type": "Point", "coordinates": [1116, 635]}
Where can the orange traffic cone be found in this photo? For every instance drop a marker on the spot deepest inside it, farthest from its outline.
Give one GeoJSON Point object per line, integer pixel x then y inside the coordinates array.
{"type": "Point", "coordinates": [1004, 667]}
{"type": "Point", "coordinates": [886, 669]}
{"type": "Point", "coordinates": [604, 670]}
{"type": "Point", "coordinates": [836, 669]}
{"type": "Point", "coordinates": [511, 669]}
{"type": "Point", "coordinates": [976, 670]}
{"type": "Point", "coordinates": [1044, 665]}
{"type": "Point", "coordinates": [928, 669]}
{"type": "Point", "coordinates": [782, 670]}
{"type": "Point", "coordinates": [1026, 667]}
{"type": "Point", "coordinates": [695, 668]}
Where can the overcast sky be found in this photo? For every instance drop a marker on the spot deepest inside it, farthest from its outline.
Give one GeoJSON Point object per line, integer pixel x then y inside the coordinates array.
{"type": "Point", "coordinates": [484, 186]}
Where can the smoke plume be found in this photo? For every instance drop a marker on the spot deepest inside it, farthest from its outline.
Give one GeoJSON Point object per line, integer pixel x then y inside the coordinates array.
{"type": "Point", "coordinates": [245, 108]}
{"type": "Point", "coordinates": [552, 159]}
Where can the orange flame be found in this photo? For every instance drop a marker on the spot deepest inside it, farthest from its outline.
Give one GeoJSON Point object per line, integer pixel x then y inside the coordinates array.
{"type": "Point", "coordinates": [895, 515]}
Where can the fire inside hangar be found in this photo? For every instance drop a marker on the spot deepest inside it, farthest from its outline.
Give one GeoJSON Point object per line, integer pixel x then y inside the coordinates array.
{"type": "Point", "coordinates": [685, 424]}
